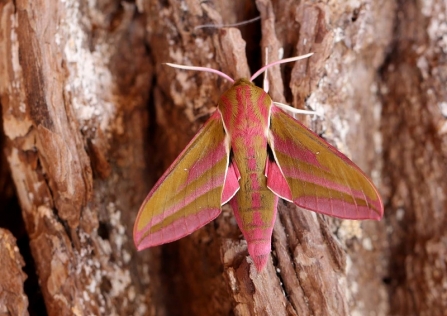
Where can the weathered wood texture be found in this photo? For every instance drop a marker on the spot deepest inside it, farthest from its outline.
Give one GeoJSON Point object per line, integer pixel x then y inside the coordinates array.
{"type": "Point", "coordinates": [13, 300]}
{"type": "Point", "coordinates": [414, 129]}
{"type": "Point", "coordinates": [74, 85]}
{"type": "Point", "coordinates": [91, 118]}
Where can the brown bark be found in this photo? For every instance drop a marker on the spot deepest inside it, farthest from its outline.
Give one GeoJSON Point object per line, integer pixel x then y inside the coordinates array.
{"type": "Point", "coordinates": [70, 110]}
{"type": "Point", "coordinates": [91, 118]}
{"type": "Point", "coordinates": [414, 128]}
{"type": "Point", "coordinates": [13, 300]}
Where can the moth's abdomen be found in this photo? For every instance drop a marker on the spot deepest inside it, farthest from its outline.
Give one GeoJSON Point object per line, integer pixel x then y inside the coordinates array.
{"type": "Point", "coordinates": [254, 205]}
{"type": "Point", "coordinates": [256, 223]}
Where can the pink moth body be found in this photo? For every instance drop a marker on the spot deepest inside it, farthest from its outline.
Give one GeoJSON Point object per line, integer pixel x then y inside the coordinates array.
{"type": "Point", "coordinates": [245, 111]}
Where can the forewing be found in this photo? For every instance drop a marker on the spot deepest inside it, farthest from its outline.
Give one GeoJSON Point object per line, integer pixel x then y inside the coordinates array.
{"type": "Point", "coordinates": [320, 178]}
{"type": "Point", "coordinates": [188, 195]}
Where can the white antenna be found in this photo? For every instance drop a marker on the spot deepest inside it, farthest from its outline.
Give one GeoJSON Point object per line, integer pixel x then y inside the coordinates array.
{"type": "Point", "coordinates": [205, 69]}
{"type": "Point", "coordinates": [265, 83]}
{"type": "Point", "coordinates": [281, 61]}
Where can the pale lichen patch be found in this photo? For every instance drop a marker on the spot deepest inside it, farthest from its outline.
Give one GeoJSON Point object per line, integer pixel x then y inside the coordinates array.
{"type": "Point", "coordinates": [90, 81]}
{"type": "Point", "coordinates": [349, 229]}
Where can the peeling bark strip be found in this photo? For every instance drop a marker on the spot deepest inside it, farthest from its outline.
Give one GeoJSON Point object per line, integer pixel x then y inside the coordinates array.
{"type": "Point", "coordinates": [75, 80]}
{"type": "Point", "coordinates": [69, 174]}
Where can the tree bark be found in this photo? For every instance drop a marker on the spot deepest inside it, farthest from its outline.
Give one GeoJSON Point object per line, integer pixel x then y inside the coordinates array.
{"type": "Point", "coordinates": [414, 131]}
{"type": "Point", "coordinates": [91, 119]}
{"type": "Point", "coordinates": [13, 300]}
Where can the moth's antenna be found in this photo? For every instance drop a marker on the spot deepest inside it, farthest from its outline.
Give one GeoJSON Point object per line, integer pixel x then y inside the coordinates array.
{"type": "Point", "coordinates": [204, 69]}
{"type": "Point", "coordinates": [282, 61]}
{"type": "Point", "coordinates": [227, 25]}
{"type": "Point", "coordinates": [265, 84]}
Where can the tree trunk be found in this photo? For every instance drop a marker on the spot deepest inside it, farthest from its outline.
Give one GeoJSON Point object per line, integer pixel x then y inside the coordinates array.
{"type": "Point", "coordinates": [91, 119]}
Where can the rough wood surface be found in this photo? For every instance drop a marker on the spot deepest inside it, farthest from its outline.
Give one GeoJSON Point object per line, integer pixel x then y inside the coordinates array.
{"type": "Point", "coordinates": [91, 118]}
{"type": "Point", "coordinates": [414, 129]}
{"type": "Point", "coordinates": [13, 300]}
{"type": "Point", "coordinates": [73, 109]}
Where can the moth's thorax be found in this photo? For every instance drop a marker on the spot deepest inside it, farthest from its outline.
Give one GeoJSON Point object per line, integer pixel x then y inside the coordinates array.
{"type": "Point", "coordinates": [245, 106]}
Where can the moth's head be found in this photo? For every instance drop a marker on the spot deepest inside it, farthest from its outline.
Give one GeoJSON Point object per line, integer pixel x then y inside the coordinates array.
{"type": "Point", "coordinates": [244, 81]}
{"type": "Point", "coordinates": [245, 88]}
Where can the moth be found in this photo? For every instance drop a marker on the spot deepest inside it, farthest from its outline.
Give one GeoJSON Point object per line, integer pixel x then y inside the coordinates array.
{"type": "Point", "coordinates": [250, 153]}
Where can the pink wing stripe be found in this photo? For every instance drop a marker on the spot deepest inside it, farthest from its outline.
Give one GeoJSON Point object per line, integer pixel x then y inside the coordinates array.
{"type": "Point", "coordinates": [177, 229]}
{"type": "Point", "coordinates": [295, 149]}
{"type": "Point", "coordinates": [285, 144]}
{"type": "Point", "coordinates": [310, 178]}
{"type": "Point", "coordinates": [202, 165]}
{"type": "Point", "coordinates": [331, 184]}
{"type": "Point", "coordinates": [215, 117]}
{"type": "Point", "coordinates": [343, 210]}
{"type": "Point", "coordinates": [207, 187]}
{"type": "Point", "coordinates": [231, 183]}
{"type": "Point", "coordinates": [172, 206]}
{"type": "Point", "coordinates": [276, 181]}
